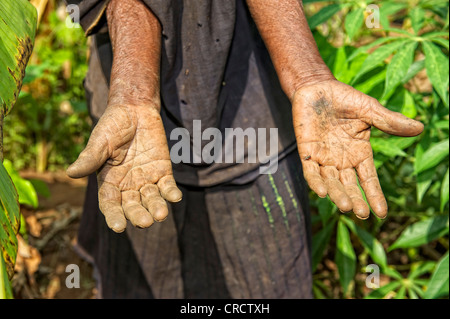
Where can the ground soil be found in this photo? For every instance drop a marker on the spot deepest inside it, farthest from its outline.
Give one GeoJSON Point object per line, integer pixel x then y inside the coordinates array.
{"type": "Point", "coordinates": [47, 247]}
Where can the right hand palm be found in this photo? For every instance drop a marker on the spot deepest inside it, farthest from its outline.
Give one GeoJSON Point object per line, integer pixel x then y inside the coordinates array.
{"type": "Point", "coordinates": [129, 149]}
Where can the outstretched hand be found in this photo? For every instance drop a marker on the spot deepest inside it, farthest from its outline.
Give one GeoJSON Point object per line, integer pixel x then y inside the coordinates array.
{"type": "Point", "coordinates": [128, 148]}
{"type": "Point", "coordinates": [332, 123]}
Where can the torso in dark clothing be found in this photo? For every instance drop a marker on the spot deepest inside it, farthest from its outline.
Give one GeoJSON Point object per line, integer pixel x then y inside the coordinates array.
{"type": "Point", "coordinates": [214, 68]}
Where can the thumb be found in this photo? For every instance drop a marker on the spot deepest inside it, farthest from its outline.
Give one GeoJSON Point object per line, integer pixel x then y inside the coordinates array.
{"type": "Point", "coordinates": [91, 158]}
{"type": "Point", "coordinates": [394, 123]}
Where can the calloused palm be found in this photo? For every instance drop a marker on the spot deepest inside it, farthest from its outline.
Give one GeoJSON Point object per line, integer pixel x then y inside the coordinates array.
{"type": "Point", "coordinates": [129, 149]}
{"type": "Point", "coordinates": [332, 123]}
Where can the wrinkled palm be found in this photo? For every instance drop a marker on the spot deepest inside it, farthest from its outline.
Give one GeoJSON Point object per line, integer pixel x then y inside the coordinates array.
{"type": "Point", "coordinates": [129, 149]}
{"type": "Point", "coordinates": [332, 122]}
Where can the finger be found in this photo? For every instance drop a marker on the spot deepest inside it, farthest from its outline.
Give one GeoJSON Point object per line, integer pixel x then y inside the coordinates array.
{"type": "Point", "coordinates": [155, 204]}
{"type": "Point", "coordinates": [134, 211]}
{"type": "Point", "coordinates": [110, 205]}
{"type": "Point", "coordinates": [394, 123]}
{"type": "Point", "coordinates": [369, 182]}
{"type": "Point", "coordinates": [311, 172]}
{"type": "Point", "coordinates": [348, 179]}
{"type": "Point", "coordinates": [169, 190]}
{"type": "Point", "coordinates": [92, 157]}
{"type": "Point", "coordinates": [336, 190]}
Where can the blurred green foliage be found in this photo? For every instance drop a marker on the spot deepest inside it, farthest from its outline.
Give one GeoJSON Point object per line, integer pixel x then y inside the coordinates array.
{"type": "Point", "coordinates": [404, 64]}
{"type": "Point", "coordinates": [49, 125]}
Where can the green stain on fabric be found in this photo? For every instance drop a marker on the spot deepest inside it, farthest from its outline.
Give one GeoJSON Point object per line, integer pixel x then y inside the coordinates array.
{"type": "Point", "coordinates": [267, 208]}
{"type": "Point", "coordinates": [291, 195]}
{"type": "Point", "coordinates": [279, 200]}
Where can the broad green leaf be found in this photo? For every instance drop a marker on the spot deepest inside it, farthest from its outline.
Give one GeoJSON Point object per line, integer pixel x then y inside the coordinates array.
{"type": "Point", "coordinates": [320, 242]}
{"type": "Point", "coordinates": [17, 31]}
{"type": "Point", "coordinates": [370, 243]}
{"type": "Point", "coordinates": [364, 49]}
{"type": "Point", "coordinates": [345, 256]}
{"type": "Point", "coordinates": [383, 291]}
{"type": "Point", "coordinates": [409, 106]}
{"type": "Point", "coordinates": [417, 16]}
{"type": "Point", "coordinates": [444, 191]}
{"type": "Point", "coordinates": [439, 282]}
{"type": "Point", "coordinates": [384, 146]}
{"type": "Point", "coordinates": [378, 56]}
{"type": "Point", "coordinates": [5, 286]}
{"type": "Point", "coordinates": [415, 68]}
{"type": "Point", "coordinates": [371, 82]}
{"type": "Point", "coordinates": [401, 293]}
{"type": "Point", "coordinates": [422, 232]}
{"type": "Point", "coordinates": [340, 63]}
{"type": "Point", "coordinates": [424, 180]}
{"type": "Point", "coordinates": [387, 9]}
{"type": "Point", "coordinates": [342, 69]}
{"type": "Point", "coordinates": [9, 220]}
{"type": "Point", "coordinates": [418, 269]}
{"type": "Point", "coordinates": [326, 209]}
{"type": "Point", "coordinates": [441, 42]}
{"type": "Point", "coordinates": [399, 65]}
{"type": "Point", "coordinates": [432, 156]}
{"type": "Point", "coordinates": [437, 66]}
{"type": "Point", "coordinates": [25, 190]}
{"type": "Point", "coordinates": [354, 22]}
{"type": "Point", "coordinates": [323, 15]}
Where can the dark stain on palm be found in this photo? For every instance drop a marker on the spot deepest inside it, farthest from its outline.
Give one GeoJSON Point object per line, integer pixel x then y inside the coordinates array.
{"type": "Point", "coordinates": [320, 105]}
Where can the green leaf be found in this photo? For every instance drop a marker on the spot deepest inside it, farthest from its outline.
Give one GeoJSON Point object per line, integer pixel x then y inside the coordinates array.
{"type": "Point", "coordinates": [418, 269]}
{"type": "Point", "coordinates": [424, 180]}
{"type": "Point", "coordinates": [370, 243]}
{"type": "Point", "coordinates": [353, 22]}
{"type": "Point", "coordinates": [326, 209]}
{"type": "Point", "coordinates": [320, 242]}
{"type": "Point", "coordinates": [387, 9]}
{"type": "Point", "coordinates": [444, 191]}
{"type": "Point", "coordinates": [384, 146]}
{"type": "Point", "coordinates": [439, 282]}
{"type": "Point", "coordinates": [25, 190]}
{"type": "Point", "coordinates": [441, 42]}
{"type": "Point", "coordinates": [415, 68]}
{"type": "Point", "coordinates": [401, 293]}
{"type": "Point", "coordinates": [437, 66]}
{"type": "Point", "coordinates": [422, 232]}
{"type": "Point", "coordinates": [9, 220]}
{"type": "Point", "coordinates": [364, 49]}
{"type": "Point", "coordinates": [398, 67]}
{"type": "Point", "coordinates": [409, 106]}
{"type": "Point", "coordinates": [345, 257]}
{"type": "Point", "coordinates": [323, 15]}
{"type": "Point", "coordinates": [371, 82]}
{"type": "Point", "coordinates": [378, 56]}
{"type": "Point", "coordinates": [5, 286]}
{"type": "Point", "coordinates": [432, 156]}
{"type": "Point", "coordinates": [417, 16]}
{"type": "Point", "coordinates": [383, 291]}
{"type": "Point", "coordinates": [17, 31]}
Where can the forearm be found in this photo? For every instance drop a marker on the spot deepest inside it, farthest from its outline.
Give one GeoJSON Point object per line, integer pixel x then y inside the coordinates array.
{"type": "Point", "coordinates": [136, 41]}
{"type": "Point", "coordinates": [293, 50]}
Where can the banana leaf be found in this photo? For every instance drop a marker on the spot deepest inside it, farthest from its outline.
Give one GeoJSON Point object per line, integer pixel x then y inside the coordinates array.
{"type": "Point", "coordinates": [18, 20]}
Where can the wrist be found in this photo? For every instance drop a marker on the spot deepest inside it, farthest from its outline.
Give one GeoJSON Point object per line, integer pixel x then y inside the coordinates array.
{"type": "Point", "coordinates": [308, 78]}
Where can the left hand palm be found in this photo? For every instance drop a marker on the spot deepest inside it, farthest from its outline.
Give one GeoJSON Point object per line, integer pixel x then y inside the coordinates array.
{"type": "Point", "coordinates": [332, 122]}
